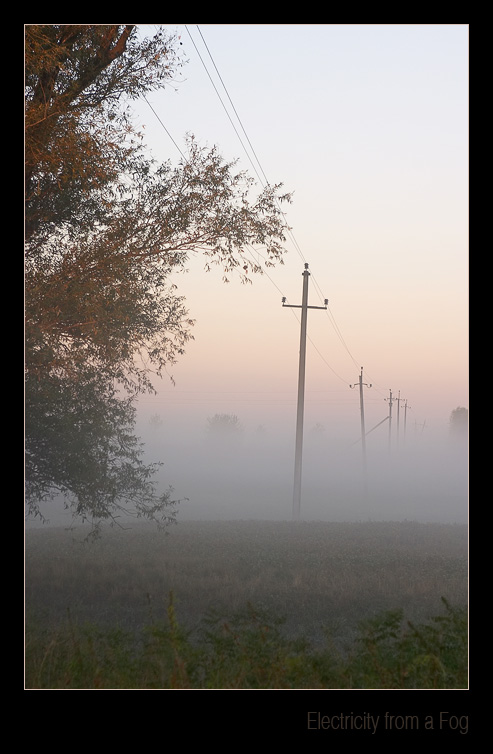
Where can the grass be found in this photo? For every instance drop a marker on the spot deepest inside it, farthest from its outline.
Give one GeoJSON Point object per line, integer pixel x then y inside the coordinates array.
{"type": "Point", "coordinates": [254, 605]}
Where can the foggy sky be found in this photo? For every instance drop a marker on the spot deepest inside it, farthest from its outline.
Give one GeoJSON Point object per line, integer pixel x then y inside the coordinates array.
{"type": "Point", "coordinates": [421, 476]}
{"type": "Point", "coordinates": [367, 125]}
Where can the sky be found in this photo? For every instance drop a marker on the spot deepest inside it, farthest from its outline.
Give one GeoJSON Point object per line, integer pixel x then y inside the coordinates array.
{"type": "Point", "coordinates": [367, 126]}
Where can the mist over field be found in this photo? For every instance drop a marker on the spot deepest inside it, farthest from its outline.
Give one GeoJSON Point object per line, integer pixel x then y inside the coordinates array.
{"type": "Point", "coordinates": [249, 474]}
{"type": "Point", "coordinates": [163, 293]}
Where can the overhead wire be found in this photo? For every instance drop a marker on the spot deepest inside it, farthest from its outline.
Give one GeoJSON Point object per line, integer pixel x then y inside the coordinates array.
{"type": "Point", "coordinates": [232, 105]}
{"type": "Point", "coordinates": [162, 124]}
{"type": "Point", "coordinates": [219, 96]}
{"type": "Point", "coordinates": [289, 232]}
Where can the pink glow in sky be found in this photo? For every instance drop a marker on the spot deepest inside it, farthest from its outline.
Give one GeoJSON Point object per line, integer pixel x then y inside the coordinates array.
{"type": "Point", "coordinates": [367, 125]}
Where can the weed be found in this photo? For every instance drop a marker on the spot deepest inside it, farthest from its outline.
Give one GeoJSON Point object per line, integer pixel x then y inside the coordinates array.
{"type": "Point", "coordinates": [360, 606]}
{"type": "Point", "coordinates": [248, 651]}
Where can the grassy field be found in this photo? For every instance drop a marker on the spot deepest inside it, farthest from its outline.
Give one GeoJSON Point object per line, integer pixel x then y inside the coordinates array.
{"type": "Point", "coordinates": [248, 604]}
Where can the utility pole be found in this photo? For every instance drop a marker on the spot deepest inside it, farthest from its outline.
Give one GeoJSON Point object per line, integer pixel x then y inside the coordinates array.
{"type": "Point", "coordinates": [390, 400]}
{"type": "Point", "coordinates": [398, 400]}
{"type": "Point", "coordinates": [405, 417]}
{"type": "Point", "coordinates": [362, 412]}
{"type": "Point", "coordinates": [301, 391]}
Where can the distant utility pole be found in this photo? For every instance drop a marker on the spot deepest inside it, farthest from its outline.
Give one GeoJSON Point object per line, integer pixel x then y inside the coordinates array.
{"type": "Point", "coordinates": [398, 400]}
{"type": "Point", "coordinates": [362, 412]}
{"type": "Point", "coordinates": [301, 391]}
{"type": "Point", "coordinates": [390, 400]}
{"type": "Point", "coordinates": [405, 417]}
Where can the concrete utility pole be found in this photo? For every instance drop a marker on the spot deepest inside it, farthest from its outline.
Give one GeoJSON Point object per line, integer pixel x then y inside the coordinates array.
{"type": "Point", "coordinates": [390, 399]}
{"type": "Point", "coordinates": [405, 417]}
{"type": "Point", "coordinates": [399, 399]}
{"type": "Point", "coordinates": [301, 392]}
{"type": "Point", "coordinates": [362, 412]}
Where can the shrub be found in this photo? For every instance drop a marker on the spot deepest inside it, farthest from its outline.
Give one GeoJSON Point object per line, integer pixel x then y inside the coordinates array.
{"type": "Point", "coordinates": [248, 650]}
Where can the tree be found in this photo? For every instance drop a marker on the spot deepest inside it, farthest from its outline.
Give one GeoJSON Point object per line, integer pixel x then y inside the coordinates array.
{"type": "Point", "coordinates": [81, 446]}
{"type": "Point", "coordinates": [224, 426]}
{"type": "Point", "coordinates": [459, 422]}
{"type": "Point", "coordinates": [105, 228]}
{"type": "Point", "coordinates": [78, 138]}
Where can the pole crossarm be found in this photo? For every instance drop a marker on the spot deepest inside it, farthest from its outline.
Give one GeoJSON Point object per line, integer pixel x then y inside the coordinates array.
{"type": "Point", "coordinates": [300, 306]}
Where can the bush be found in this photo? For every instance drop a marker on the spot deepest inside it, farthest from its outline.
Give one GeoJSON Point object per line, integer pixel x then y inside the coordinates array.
{"type": "Point", "coordinates": [249, 651]}
{"type": "Point", "coordinates": [431, 656]}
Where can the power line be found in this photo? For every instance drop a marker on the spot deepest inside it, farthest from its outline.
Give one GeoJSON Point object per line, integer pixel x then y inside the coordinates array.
{"type": "Point", "coordinates": [232, 105]}
{"type": "Point", "coordinates": [288, 230]}
{"type": "Point", "coordinates": [309, 338]}
{"type": "Point", "coordinates": [220, 98]}
{"type": "Point", "coordinates": [162, 124]}
{"type": "Point", "coordinates": [329, 313]}
{"type": "Point", "coordinates": [326, 362]}
{"type": "Point", "coordinates": [297, 247]}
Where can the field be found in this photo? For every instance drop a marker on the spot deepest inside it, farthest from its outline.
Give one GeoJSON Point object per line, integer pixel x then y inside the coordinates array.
{"type": "Point", "coordinates": [248, 604]}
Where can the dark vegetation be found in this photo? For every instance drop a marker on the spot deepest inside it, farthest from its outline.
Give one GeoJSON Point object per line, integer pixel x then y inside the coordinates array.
{"type": "Point", "coordinates": [106, 230]}
{"type": "Point", "coordinates": [248, 605]}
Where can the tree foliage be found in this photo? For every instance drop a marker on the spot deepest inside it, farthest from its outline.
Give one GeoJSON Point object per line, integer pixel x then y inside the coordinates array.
{"type": "Point", "coordinates": [106, 227]}
{"type": "Point", "coordinates": [224, 426]}
{"type": "Point", "coordinates": [459, 422]}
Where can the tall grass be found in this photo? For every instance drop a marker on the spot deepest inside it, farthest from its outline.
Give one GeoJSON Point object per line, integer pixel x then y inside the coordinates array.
{"type": "Point", "coordinates": [248, 650]}
{"type": "Point", "coordinates": [256, 605]}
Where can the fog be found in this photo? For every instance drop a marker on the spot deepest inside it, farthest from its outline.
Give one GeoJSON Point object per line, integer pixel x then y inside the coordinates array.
{"type": "Point", "coordinates": [420, 476]}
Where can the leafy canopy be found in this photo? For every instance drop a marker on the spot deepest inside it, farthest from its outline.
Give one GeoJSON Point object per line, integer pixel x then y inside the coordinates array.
{"type": "Point", "coordinates": [106, 227]}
